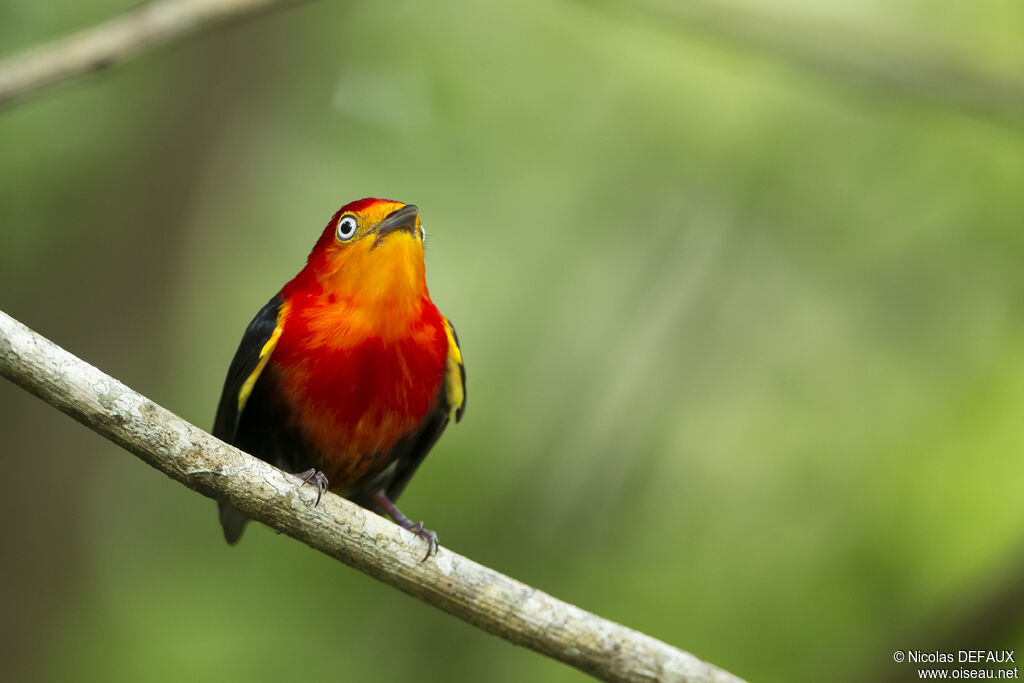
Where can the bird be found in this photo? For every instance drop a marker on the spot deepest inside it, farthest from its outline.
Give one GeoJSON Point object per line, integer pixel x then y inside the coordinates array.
{"type": "Point", "coordinates": [349, 374]}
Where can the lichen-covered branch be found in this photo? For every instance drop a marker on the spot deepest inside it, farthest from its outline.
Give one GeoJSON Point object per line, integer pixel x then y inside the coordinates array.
{"type": "Point", "coordinates": [149, 25]}
{"type": "Point", "coordinates": [339, 528]}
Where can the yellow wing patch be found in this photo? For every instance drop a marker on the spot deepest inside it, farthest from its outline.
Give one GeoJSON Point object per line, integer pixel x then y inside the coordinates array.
{"type": "Point", "coordinates": [268, 348]}
{"type": "Point", "coordinates": [454, 378]}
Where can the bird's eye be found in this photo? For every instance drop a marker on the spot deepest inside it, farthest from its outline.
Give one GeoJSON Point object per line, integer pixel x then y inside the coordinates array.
{"type": "Point", "coordinates": [346, 227]}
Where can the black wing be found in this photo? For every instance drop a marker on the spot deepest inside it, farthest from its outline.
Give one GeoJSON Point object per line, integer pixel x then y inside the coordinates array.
{"type": "Point", "coordinates": [241, 391]}
{"type": "Point", "coordinates": [253, 352]}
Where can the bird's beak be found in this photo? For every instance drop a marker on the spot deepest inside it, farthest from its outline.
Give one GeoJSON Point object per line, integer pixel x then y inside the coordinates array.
{"type": "Point", "coordinates": [399, 219]}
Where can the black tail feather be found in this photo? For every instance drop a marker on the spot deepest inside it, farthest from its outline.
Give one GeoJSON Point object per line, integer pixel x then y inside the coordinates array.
{"type": "Point", "coordinates": [232, 521]}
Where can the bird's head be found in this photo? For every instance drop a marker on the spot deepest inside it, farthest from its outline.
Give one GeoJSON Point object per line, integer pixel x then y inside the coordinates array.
{"type": "Point", "coordinates": [371, 249]}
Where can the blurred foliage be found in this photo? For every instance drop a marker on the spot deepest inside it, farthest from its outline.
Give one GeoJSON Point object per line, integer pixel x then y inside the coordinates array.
{"type": "Point", "coordinates": [744, 341]}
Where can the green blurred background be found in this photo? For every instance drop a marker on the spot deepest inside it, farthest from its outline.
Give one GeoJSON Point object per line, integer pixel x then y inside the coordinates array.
{"type": "Point", "coordinates": [742, 328]}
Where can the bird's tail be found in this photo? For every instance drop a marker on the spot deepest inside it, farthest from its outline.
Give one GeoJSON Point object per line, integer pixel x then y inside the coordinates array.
{"type": "Point", "coordinates": [232, 521]}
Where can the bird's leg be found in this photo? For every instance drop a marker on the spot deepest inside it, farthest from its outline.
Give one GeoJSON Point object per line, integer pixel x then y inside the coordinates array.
{"type": "Point", "coordinates": [316, 477]}
{"type": "Point", "coordinates": [401, 520]}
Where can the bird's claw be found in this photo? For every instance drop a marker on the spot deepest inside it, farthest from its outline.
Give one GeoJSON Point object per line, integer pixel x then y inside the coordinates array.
{"type": "Point", "coordinates": [316, 477]}
{"type": "Point", "coordinates": [401, 520]}
{"type": "Point", "coordinates": [427, 535]}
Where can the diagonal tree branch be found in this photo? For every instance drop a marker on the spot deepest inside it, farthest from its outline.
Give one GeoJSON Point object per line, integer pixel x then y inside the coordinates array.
{"type": "Point", "coordinates": [481, 596]}
{"type": "Point", "coordinates": [147, 26]}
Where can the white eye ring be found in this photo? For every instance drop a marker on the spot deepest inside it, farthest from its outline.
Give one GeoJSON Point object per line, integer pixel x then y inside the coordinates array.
{"type": "Point", "coordinates": [346, 227]}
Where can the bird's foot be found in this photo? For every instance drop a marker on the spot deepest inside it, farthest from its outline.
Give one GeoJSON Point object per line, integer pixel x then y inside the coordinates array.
{"type": "Point", "coordinates": [427, 535]}
{"type": "Point", "coordinates": [401, 520]}
{"type": "Point", "coordinates": [318, 479]}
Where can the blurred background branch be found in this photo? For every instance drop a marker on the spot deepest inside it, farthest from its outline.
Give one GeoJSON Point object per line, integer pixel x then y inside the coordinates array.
{"type": "Point", "coordinates": [483, 597]}
{"type": "Point", "coordinates": [903, 64]}
{"type": "Point", "coordinates": [117, 39]}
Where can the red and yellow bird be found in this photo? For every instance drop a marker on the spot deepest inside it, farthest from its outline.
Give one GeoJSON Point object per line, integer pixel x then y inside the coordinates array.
{"type": "Point", "coordinates": [349, 374]}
